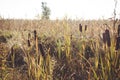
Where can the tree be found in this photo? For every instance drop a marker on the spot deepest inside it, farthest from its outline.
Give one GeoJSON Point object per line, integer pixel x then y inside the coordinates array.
{"type": "Point", "coordinates": [45, 11]}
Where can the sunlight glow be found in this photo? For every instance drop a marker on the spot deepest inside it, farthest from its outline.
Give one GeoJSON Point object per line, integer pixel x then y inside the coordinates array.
{"type": "Point", "coordinates": [74, 9]}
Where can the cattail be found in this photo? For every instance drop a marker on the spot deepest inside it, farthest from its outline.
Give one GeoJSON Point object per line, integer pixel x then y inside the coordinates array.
{"type": "Point", "coordinates": [85, 27]}
{"type": "Point", "coordinates": [35, 34]}
{"type": "Point", "coordinates": [0, 62]}
{"type": "Point", "coordinates": [29, 40]}
{"type": "Point", "coordinates": [71, 36]}
{"type": "Point", "coordinates": [41, 50]}
{"type": "Point", "coordinates": [29, 35]}
{"type": "Point", "coordinates": [80, 27]}
{"type": "Point", "coordinates": [117, 43]}
{"type": "Point", "coordinates": [12, 50]}
{"type": "Point", "coordinates": [104, 38]}
{"type": "Point", "coordinates": [107, 33]}
{"type": "Point", "coordinates": [119, 30]}
{"type": "Point", "coordinates": [29, 43]}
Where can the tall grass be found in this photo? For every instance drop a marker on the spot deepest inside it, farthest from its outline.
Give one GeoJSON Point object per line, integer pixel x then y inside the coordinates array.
{"type": "Point", "coordinates": [61, 50]}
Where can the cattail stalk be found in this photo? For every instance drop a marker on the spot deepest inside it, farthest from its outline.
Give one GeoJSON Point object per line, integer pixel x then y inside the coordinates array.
{"type": "Point", "coordinates": [37, 55]}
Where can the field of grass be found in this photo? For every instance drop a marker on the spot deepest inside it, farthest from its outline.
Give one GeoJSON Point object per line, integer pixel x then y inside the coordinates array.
{"type": "Point", "coordinates": [59, 50]}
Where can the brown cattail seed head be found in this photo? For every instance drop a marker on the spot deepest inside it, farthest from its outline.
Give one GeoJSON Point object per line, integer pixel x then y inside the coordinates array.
{"type": "Point", "coordinates": [104, 38]}
{"type": "Point", "coordinates": [71, 36]}
{"type": "Point", "coordinates": [107, 33]}
{"type": "Point", "coordinates": [12, 50]}
{"type": "Point", "coordinates": [29, 43]}
{"type": "Point", "coordinates": [117, 43]}
{"type": "Point", "coordinates": [80, 27]}
{"type": "Point", "coordinates": [29, 35]}
{"type": "Point", "coordinates": [0, 62]}
{"type": "Point", "coordinates": [119, 30]}
{"type": "Point", "coordinates": [85, 27]}
{"type": "Point", "coordinates": [41, 50]}
{"type": "Point", "coordinates": [35, 34]}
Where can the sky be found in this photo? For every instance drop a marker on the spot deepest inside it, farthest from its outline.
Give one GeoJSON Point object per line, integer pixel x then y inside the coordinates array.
{"type": "Point", "coordinates": [74, 9]}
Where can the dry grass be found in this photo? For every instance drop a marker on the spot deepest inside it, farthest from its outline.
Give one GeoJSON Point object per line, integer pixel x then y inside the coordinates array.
{"type": "Point", "coordinates": [57, 50]}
